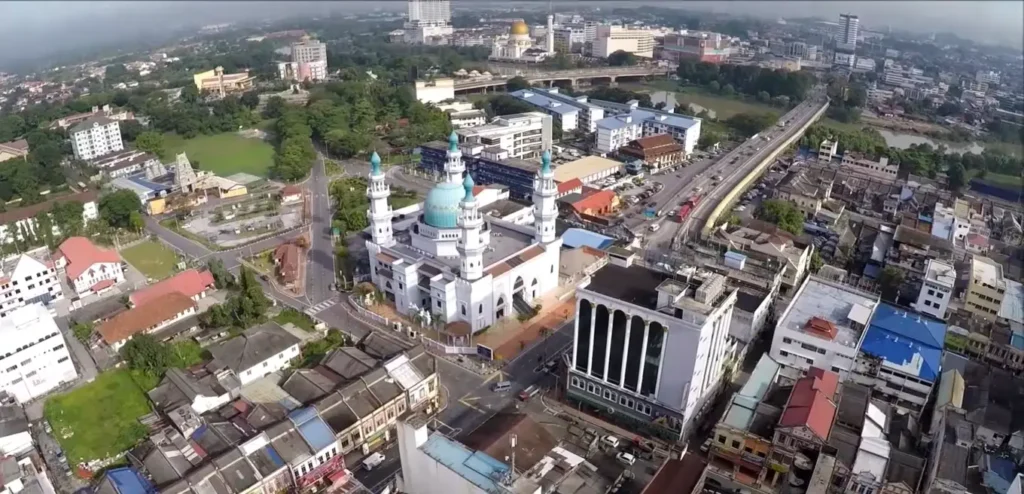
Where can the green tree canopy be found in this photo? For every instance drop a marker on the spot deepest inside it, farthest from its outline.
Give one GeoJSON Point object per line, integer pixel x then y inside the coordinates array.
{"type": "Point", "coordinates": [117, 207]}
{"type": "Point", "coordinates": [782, 213]}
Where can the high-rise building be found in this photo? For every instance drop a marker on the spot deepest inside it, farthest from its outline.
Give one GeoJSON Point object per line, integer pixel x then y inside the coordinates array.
{"type": "Point", "coordinates": [849, 27]}
{"type": "Point", "coordinates": [610, 39]}
{"type": "Point", "coordinates": [309, 61]}
{"type": "Point", "coordinates": [96, 136]}
{"type": "Point", "coordinates": [428, 20]}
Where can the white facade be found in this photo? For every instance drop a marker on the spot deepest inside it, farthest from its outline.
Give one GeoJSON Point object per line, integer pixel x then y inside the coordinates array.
{"type": "Point", "coordinates": [270, 365]}
{"type": "Point", "coordinates": [96, 137]}
{"type": "Point", "coordinates": [571, 112]}
{"type": "Point", "coordinates": [610, 39]}
{"type": "Point", "coordinates": [309, 51]}
{"type": "Point", "coordinates": [9, 232]}
{"type": "Point", "coordinates": [880, 168]}
{"type": "Point", "coordinates": [617, 131]}
{"type": "Point", "coordinates": [937, 289]}
{"type": "Point", "coordinates": [97, 272]}
{"type": "Point", "coordinates": [822, 327]}
{"type": "Point", "coordinates": [947, 225]}
{"type": "Point", "coordinates": [849, 29]}
{"type": "Point", "coordinates": [430, 11]}
{"type": "Point", "coordinates": [435, 91]}
{"type": "Point", "coordinates": [523, 135]}
{"type": "Point", "coordinates": [35, 357]}
{"type": "Point", "coordinates": [28, 281]}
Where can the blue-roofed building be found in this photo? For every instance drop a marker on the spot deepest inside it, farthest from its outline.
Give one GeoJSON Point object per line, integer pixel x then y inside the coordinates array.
{"type": "Point", "coordinates": [125, 480]}
{"type": "Point", "coordinates": [632, 122]}
{"type": "Point", "coordinates": [435, 464]}
{"type": "Point", "coordinates": [308, 446]}
{"type": "Point", "coordinates": [999, 474]}
{"type": "Point", "coordinates": [578, 237]}
{"type": "Point", "coordinates": [901, 355]}
{"type": "Point", "coordinates": [563, 114]}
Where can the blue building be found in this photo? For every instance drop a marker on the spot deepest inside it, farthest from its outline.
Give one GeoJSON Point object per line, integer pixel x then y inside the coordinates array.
{"type": "Point", "coordinates": [124, 480]}
{"type": "Point", "coordinates": [901, 356]}
{"type": "Point", "coordinates": [513, 173]}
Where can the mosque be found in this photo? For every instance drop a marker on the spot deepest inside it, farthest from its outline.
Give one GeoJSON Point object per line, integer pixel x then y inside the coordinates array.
{"type": "Point", "coordinates": [518, 46]}
{"type": "Point", "coordinates": [447, 259]}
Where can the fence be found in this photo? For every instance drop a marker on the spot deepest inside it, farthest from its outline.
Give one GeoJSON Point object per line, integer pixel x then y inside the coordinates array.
{"type": "Point", "coordinates": [448, 350]}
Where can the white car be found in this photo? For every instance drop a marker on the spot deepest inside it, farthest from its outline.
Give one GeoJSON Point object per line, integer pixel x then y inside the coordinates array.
{"type": "Point", "coordinates": [373, 461]}
{"type": "Point", "coordinates": [610, 440]}
{"type": "Point", "coordinates": [626, 458]}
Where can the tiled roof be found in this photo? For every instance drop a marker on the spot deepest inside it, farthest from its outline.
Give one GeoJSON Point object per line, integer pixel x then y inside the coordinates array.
{"type": "Point", "coordinates": [253, 346]}
{"type": "Point", "coordinates": [82, 254]}
{"type": "Point", "coordinates": [810, 404]}
{"type": "Point", "coordinates": [598, 200]}
{"type": "Point", "coordinates": [568, 185]}
{"type": "Point", "coordinates": [18, 214]}
{"type": "Point", "coordinates": [143, 317]}
{"type": "Point", "coordinates": [290, 190]}
{"type": "Point", "coordinates": [287, 257]}
{"type": "Point", "coordinates": [190, 283]}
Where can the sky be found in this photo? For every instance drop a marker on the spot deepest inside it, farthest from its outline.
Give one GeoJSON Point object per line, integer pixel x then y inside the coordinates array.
{"type": "Point", "coordinates": [38, 29]}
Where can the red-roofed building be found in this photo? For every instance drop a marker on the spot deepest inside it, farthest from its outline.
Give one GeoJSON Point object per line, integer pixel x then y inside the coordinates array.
{"type": "Point", "coordinates": [600, 203]}
{"type": "Point", "coordinates": [977, 243]}
{"type": "Point", "coordinates": [291, 194]}
{"type": "Point", "coordinates": [190, 283]}
{"type": "Point", "coordinates": [88, 266]}
{"type": "Point", "coordinates": [573, 186]}
{"type": "Point", "coordinates": [807, 418]}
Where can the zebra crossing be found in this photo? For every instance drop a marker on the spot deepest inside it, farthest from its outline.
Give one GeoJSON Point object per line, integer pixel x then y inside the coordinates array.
{"type": "Point", "coordinates": [321, 306]}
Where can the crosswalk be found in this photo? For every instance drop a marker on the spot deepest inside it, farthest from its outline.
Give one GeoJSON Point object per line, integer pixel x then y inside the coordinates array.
{"type": "Point", "coordinates": [321, 306]}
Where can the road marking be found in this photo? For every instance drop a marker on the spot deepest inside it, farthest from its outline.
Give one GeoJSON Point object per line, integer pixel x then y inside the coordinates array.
{"type": "Point", "coordinates": [470, 405]}
{"type": "Point", "coordinates": [499, 374]}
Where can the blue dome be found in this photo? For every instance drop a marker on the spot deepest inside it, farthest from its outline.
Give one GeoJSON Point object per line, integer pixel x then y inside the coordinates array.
{"type": "Point", "coordinates": [453, 141]}
{"type": "Point", "coordinates": [441, 210]}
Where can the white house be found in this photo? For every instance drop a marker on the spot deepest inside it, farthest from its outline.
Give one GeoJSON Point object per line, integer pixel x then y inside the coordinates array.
{"type": "Point", "coordinates": [35, 358]}
{"type": "Point", "coordinates": [26, 279]}
{"type": "Point", "coordinates": [15, 435]}
{"type": "Point", "coordinates": [258, 351]}
{"type": "Point", "coordinates": [89, 269]}
{"type": "Point", "coordinates": [291, 194]}
{"type": "Point", "coordinates": [15, 221]}
{"type": "Point", "coordinates": [936, 289]}
{"type": "Point", "coordinates": [95, 136]}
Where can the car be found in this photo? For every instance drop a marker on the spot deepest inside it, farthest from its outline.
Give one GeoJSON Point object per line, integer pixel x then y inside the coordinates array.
{"type": "Point", "coordinates": [626, 458]}
{"type": "Point", "coordinates": [373, 461]}
{"type": "Point", "coordinates": [610, 441]}
{"type": "Point", "coordinates": [47, 428]}
{"type": "Point", "coordinates": [706, 446]}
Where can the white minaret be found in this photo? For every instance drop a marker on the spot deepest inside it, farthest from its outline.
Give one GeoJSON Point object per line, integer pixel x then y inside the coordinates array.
{"type": "Point", "coordinates": [544, 209]}
{"type": "Point", "coordinates": [379, 213]}
{"type": "Point", "coordinates": [551, 35]}
{"type": "Point", "coordinates": [471, 243]}
{"type": "Point", "coordinates": [453, 166]}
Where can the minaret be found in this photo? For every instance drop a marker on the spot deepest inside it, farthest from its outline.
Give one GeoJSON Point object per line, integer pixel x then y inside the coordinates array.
{"type": "Point", "coordinates": [544, 209]}
{"type": "Point", "coordinates": [453, 166]}
{"type": "Point", "coordinates": [551, 35]}
{"type": "Point", "coordinates": [471, 244]}
{"type": "Point", "coordinates": [379, 213]}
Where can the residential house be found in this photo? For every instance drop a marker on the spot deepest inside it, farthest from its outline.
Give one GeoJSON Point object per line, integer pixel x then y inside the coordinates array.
{"type": "Point", "coordinates": [13, 149]}
{"type": "Point", "coordinates": [308, 446]}
{"type": "Point", "coordinates": [977, 243]}
{"type": "Point", "coordinates": [571, 186]}
{"type": "Point", "coordinates": [191, 283]}
{"type": "Point", "coordinates": [769, 246]}
{"type": "Point", "coordinates": [89, 269]}
{"type": "Point", "coordinates": [808, 192]}
{"type": "Point", "coordinates": [656, 151]}
{"type": "Point", "coordinates": [201, 390]}
{"type": "Point", "coordinates": [288, 263]}
{"type": "Point", "coordinates": [147, 318]}
{"type": "Point", "coordinates": [258, 351]}
{"type": "Point", "coordinates": [291, 194]}
{"type": "Point", "coordinates": [912, 249]}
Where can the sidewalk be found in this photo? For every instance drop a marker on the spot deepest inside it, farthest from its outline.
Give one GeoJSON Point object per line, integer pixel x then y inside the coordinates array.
{"type": "Point", "coordinates": [590, 420]}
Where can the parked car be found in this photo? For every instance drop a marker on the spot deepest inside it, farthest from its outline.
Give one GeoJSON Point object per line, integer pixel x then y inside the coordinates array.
{"type": "Point", "coordinates": [610, 441]}
{"type": "Point", "coordinates": [626, 458]}
{"type": "Point", "coordinates": [373, 461]}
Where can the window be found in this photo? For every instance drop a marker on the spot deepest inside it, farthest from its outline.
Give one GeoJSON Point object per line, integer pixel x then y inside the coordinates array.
{"type": "Point", "coordinates": [721, 439]}
{"type": "Point", "coordinates": [787, 340]}
{"type": "Point", "coordinates": [463, 310]}
{"type": "Point", "coordinates": [931, 292]}
{"type": "Point", "coordinates": [481, 311]}
{"type": "Point", "coordinates": [735, 444]}
{"type": "Point", "coordinates": [783, 353]}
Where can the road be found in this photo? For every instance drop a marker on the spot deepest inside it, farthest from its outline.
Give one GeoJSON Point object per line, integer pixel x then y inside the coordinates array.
{"type": "Point", "coordinates": [320, 272]}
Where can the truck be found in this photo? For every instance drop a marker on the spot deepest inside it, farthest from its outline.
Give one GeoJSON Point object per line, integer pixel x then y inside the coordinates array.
{"type": "Point", "coordinates": [688, 206]}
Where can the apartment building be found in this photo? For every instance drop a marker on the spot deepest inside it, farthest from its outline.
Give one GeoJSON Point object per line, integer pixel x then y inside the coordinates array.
{"type": "Point", "coordinates": [129, 162]}
{"type": "Point", "coordinates": [610, 39]}
{"type": "Point", "coordinates": [28, 278]}
{"type": "Point", "coordinates": [822, 327]}
{"type": "Point", "coordinates": [633, 123]}
{"type": "Point", "coordinates": [827, 150]}
{"type": "Point", "coordinates": [564, 115]}
{"type": "Point", "coordinates": [309, 61]}
{"type": "Point", "coordinates": [94, 137]}
{"type": "Point", "coordinates": [586, 116]}
{"type": "Point", "coordinates": [986, 288]}
{"type": "Point", "coordinates": [33, 355]}
{"type": "Point", "coordinates": [936, 289]}
{"type": "Point", "coordinates": [521, 135]}
{"type": "Point", "coordinates": [649, 349]}
{"type": "Point", "coordinates": [880, 168]}
{"type": "Point", "coordinates": [89, 269]}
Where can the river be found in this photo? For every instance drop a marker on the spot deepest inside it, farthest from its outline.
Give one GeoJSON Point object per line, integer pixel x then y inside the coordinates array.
{"type": "Point", "coordinates": [904, 141]}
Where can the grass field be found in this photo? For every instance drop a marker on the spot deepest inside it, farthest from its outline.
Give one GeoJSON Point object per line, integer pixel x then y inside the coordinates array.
{"type": "Point", "coordinates": [1005, 181]}
{"type": "Point", "coordinates": [152, 258]}
{"type": "Point", "coordinates": [300, 320]}
{"type": "Point", "coordinates": [224, 154]}
{"type": "Point", "coordinates": [723, 106]}
{"type": "Point", "coordinates": [98, 420]}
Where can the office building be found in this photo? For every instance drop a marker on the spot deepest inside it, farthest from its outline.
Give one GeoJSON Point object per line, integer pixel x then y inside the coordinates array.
{"type": "Point", "coordinates": [987, 77]}
{"type": "Point", "coordinates": [986, 288]}
{"type": "Point", "coordinates": [631, 122]}
{"type": "Point", "coordinates": [936, 289]}
{"type": "Point", "coordinates": [849, 29]}
{"type": "Point", "coordinates": [512, 173]}
{"type": "Point", "coordinates": [696, 46]}
{"type": "Point", "coordinates": [429, 21]}
{"type": "Point", "coordinates": [822, 327]}
{"type": "Point", "coordinates": [576, 112]}
{"type": "Point", "coordinates": [521, 135]}
{"type": "Point", "coordinates": [218, 83]}
{"type": "Point", "coordinates": [33, 355]}
{"type": "Point", "coordinates": [610, 39]}
{"type": "Point", "coordinates": [28, 278]}
{"type": "Point", "coordinates": [309, 62]}
{"type": "Point", "coordinates": [649, 348]}
{"type": "Point", "coordinates": [570, 38]}
{"type": "Point", "coordinates": [95, 137]}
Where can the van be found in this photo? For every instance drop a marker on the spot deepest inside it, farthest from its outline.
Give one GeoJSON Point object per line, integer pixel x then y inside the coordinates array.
{"type": "Point", "coordinates": [501, 387]}
{"type": "Point", "coordinates": [528, 393]}
{"type": "Point", "coordinates": [373, 461]}
{"type": "Point", "coordinates": [655, 227]}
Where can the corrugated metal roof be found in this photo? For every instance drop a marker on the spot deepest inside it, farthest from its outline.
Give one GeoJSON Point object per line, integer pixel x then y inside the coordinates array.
{"type": "Point", "coordinates": [909, 343]}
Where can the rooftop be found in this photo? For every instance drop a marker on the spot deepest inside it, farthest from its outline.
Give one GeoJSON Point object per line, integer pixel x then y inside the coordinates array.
{"type": "Point", "coordinates": [577, 237]}
{"type": "Point", "coordinates": [143, 318]}
{"type": "Point", "coordinates": [542, 100]}
{"type": "Point", "coordinates": [82, 254]}
{"type": "Point", "coordinates": [987, 271]}
{"type": "Point", "coordinates": [742, 410]}
{"type": "Point", "coordinates": [637, 116]}
{"type": "Point", "coordinates": [908, 343]}
{"type": "Point", "coordinates": [811, 403]}
{"type": "Point", "coordinates": [533, 440]}
{"type": "Point", "coordinates": [1012, 307]}
{"type": "Point", "coordinates": [89, 122]}
{"type": "Point", "coordinates": [583, 167]}
{"type": "Point", "coordinates": [190, 283]}
{"type": "Point", "coordinates": [940, 273]}
{"type": "Point", "coordinates": [476, 467]}
{"type": "Point", "coordinates": [253, 346]}
{"type": "Point", "coordinates": [830, 311]}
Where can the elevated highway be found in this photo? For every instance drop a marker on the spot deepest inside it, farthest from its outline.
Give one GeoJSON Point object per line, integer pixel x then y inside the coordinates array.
{"type": "Point", "coordinates": [599, 74]}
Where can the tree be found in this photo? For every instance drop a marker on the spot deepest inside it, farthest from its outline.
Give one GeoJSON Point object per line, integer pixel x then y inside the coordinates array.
{"type": "Point", "coordinates": [714, 86]}
{"type": "Point", "coordinates": [748, 124]}
{"type": "Point", "coordinates": [130, 130]}
{"type": "Point", "coordinates": [816, 262]}
{"type": "Point", "coordinates": [708, 139]}
{"type": "Point", "coordinates": [782, 213]}
{"type": "Point", "coordinates": [890, 282]}
{"type": "Point", "coordinates": [507, 105]}
{"type": "Point", "coordinates": [250, 99]}
{"type": "Point", "coordinates": [116, 208]}
{"type": "Point", "coordinates": [957, 177]}
{"type": "Point", "coordinates": [275, 107]}
{"type": "Point", "coordinates": [763, 96]}
{"type": "Point", "coordinates": [82, 331]}
{"type": "Point", "coordinates": [135, 221]}
{"type": "Point", "coordinates": [189, 94]}
{"type": "Point", "coordinates": [622, 58]}
{"type": "Point", "coordinates": [222, 278]}
{"type": "Point", "coordinates": [516, 83]}
{"type": "Point", "coordinates": [144, 353]}
{"type": "Point", "coordinates": [68, 218]}
{"type": "Point", "coordinates": [151, 142]}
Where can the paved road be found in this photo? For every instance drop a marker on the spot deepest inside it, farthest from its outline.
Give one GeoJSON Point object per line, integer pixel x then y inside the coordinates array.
{"type": "Point", "coordinates": [320, 273]}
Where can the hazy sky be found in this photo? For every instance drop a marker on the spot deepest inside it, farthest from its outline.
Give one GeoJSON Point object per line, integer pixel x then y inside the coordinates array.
{"type": "Point", "coordinates": [35, 29]}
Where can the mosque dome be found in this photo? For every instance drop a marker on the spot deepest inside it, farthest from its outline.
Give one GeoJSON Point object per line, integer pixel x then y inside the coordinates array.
{"type": "Point", "coordinates": [441, 209]}
{"type": "Point", "coordinates": [519, 27]}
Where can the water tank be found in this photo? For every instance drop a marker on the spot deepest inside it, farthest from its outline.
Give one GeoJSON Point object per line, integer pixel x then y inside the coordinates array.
{"type": "Point", "coordinates": [735, 260]}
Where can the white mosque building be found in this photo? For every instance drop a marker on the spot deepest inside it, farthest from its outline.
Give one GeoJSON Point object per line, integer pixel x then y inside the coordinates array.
{"type": "Point", "coordinates": [464, 268]}
{"type": "Point", "coordinates": [518, 46]}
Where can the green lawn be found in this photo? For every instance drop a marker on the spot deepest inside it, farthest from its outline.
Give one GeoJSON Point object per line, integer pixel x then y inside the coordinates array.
{"type": "Point", "coordinates": [152, 258]}
{"type": "Point", "coordinates": [98, 420]}
{"type": "Point", "coordinates": [723, 106]}
{"type": "Point", "coordinates": [1005, 181]}
{"type": "Point", "coordinates": [224, 154]}
{"type": "Point", "coordinates": [295, 317]}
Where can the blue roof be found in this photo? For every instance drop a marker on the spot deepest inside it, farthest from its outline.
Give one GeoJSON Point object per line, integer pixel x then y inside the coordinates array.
{"type": "Point", "coordinates": [476, 467]}
{"type": "Point", "coordinates": [543, 101]}
{"type": "Point", "coordinates": [441, 209]}
{"type": "Point", "coordinates": [999, 474]}
{"type": "Point", "coordinates": [907, 341]}
{"type": "Point", "coordinates": [273, 456]}
{"type": "Point", "coordinates": [312, 428]}
{"type": "Point", "coordinates": [128, 480]}
{"type": "Point", "coordinates": [640, 115]}
{"type": "Point", "coordinates": [147, 184]}
{"type": "Point", "coordinates": [576, 237]}
{"type": "Point", "coordinates": [1017, 340]}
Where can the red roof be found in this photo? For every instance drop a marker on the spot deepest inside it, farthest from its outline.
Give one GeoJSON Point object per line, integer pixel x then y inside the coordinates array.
{"type": "Point", "coordinates": [810, 403]}
{"type": "Point", "coordinates": [598, 200]}
{"type": "Point", "coordinates": [102, 285]}
{"type": "Point", "coordinates": [82, 254]}
{"type": "Point", "coordinates": [977, 239]}
{"type": "Point", "coordinates": [189, 283]}
{"type": "Point", "coordinates": [291, 190]}
{"type": "Point", "coordinates": [565, 187]}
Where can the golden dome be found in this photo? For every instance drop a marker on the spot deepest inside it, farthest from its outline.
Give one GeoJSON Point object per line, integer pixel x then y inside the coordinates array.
{"type": "Point", "coordinates": [520, 27]}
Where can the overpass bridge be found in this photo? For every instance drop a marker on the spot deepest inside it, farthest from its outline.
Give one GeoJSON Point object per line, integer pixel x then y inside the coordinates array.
{"type": "Point", "coordinates": [573, 76]}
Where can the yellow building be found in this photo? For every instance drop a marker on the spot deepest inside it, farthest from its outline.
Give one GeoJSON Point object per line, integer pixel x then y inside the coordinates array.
{"type": "Point", "coordinates": [157, 206]}
{"type": "Point", "coordinates": [985, 289]}
{"type": "Point", "coordinates": [216, 81]}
